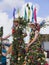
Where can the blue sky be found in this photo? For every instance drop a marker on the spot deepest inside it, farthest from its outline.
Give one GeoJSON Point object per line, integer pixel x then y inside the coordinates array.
{"type": "Point", "coordinates": [43, 7]}
{"type": "Point", "coordinates": [7, 6]}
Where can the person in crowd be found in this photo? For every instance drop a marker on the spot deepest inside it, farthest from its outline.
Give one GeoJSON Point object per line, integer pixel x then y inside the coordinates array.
{"type": "Point", "coordinates": [35, 28]}
{"type": "Point", "coordinates": [7, 45]}
{"type": "Point", "coordinates": [3, 55]}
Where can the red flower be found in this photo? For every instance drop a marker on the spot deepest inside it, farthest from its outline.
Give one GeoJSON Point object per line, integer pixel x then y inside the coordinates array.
{"type": "Point", "coordinates": [31, 57]}
{"type": "Point", "coordinates": [13, 31]}
{"type": "Point", "coordinates": [39, 49]}
{"type": "Point", "coordinates": [12, 53]}
{"type": "Point", "coordinates": [32, 61]}
{"type": "Point", "coordinates": [38, 63]}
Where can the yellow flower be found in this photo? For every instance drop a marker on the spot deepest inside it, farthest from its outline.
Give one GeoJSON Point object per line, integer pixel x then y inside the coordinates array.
{"type": "Point", "coordinates": [25, 58]}
{"type": "Point", "coordinates": [43, 58]}
{"type": "Point", "coordinates": [29, 60]}
{"type": "Point", "coordinates": [38, 59]}
{"type": "Point", "coordinates": [19, 58]}
{"type": "Point", "coordinates": [41, 63]}
{"type": "Point", "coordinates": [24, 63]}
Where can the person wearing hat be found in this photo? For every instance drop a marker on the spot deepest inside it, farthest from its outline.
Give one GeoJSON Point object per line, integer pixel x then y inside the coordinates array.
{"type": "Point", "coordinates": [33, 45]}
{"type": "Point", "coordinates": [5, 56]}
{"type": "Point", "coordinates": [35, 28]}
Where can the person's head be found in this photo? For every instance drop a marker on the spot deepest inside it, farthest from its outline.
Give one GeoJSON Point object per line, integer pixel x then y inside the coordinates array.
{"type": "Point", "coordinates": [37, 26]}
{"type": "Point", "coordinates": [31, 25]}
{"type": "Point", "coordinates": [16, 22]}
{"type": "Point", "coordinates": [34, 26]}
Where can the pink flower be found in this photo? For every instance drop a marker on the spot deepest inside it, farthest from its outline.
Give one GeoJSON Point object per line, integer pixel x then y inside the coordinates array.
{"type": "Point", "coordinates": [46, 63]}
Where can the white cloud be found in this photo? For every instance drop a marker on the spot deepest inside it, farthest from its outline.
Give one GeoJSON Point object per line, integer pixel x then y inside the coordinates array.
{"type": "Point", "coordinates": [14, 3]}
{"type": "Point", "coordinates": [47, 18]}
{"type": "Point", "coordinates": [8, 5]}
{"type": "Point", "coordinates": [45, 30]}
{"type": "Point", "coordinates": [6, 23]}
{"type": "Point", "coordinates": [39, 19]}
{"type": "Point", "coordinates": [3, 19]}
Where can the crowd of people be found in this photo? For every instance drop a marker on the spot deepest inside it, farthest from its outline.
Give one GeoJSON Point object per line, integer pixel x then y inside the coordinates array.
{"type": "Point", "coordinates": [5, 59]}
